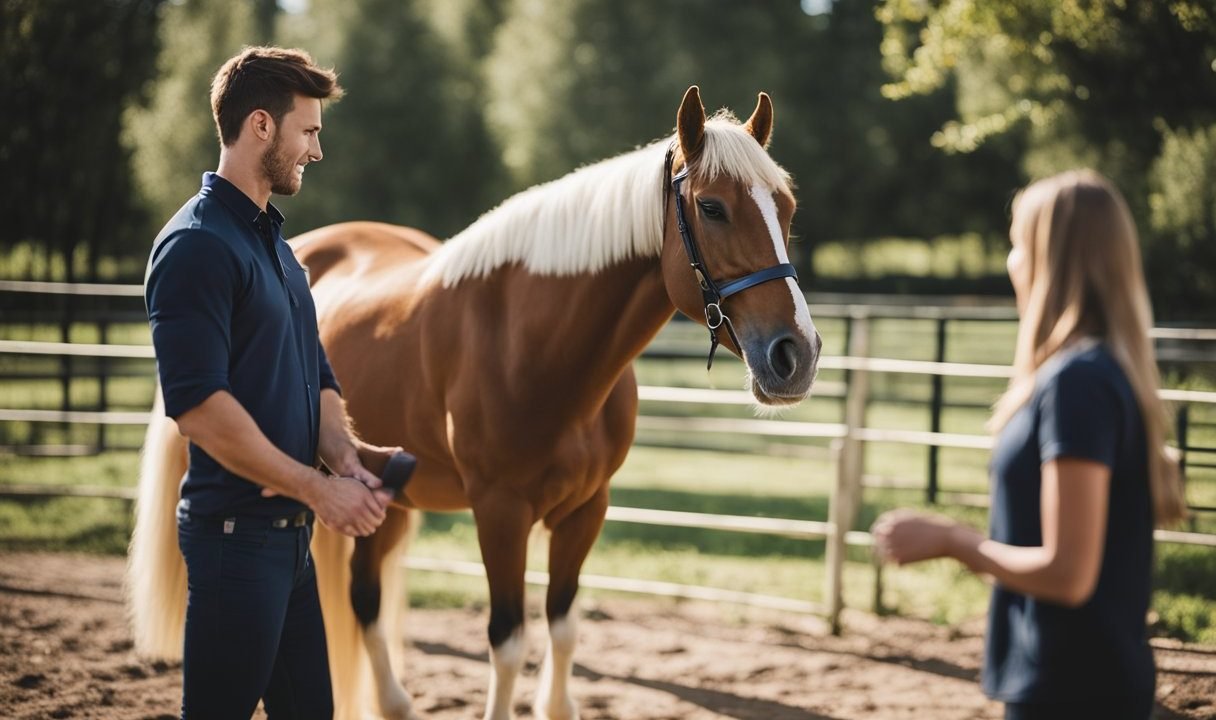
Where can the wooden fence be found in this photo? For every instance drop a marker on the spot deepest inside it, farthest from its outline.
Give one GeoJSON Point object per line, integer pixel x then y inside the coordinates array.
{"type": "Point", "coordinates": [847, 438]}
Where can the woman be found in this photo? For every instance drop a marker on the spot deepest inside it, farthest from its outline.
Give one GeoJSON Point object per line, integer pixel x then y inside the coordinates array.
{"type": "Point", "coordinates": [1079, 471]}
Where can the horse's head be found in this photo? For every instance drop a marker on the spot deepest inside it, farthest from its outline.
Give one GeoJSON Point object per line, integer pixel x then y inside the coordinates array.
{"type": "Point", "coordinates": [728, 216]}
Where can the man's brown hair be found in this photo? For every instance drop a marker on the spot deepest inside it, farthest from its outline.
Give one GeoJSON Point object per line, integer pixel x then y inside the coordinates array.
{"type": "Point", "coordinates": [266, 78]}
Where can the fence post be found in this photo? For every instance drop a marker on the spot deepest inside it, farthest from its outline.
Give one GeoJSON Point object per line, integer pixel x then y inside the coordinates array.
{"type": "Point", "coordinates": [103, 371]}
{"type": "Point", "coordinates": [935, 412]}
{"type": "Point", "coordinates": [879, 608]}
{"type": "Point", "coordinates": [1182, 421]}
{"type": "Point", "coordinates": [846, 496]}
{"type": "Point", "coordinates": [65, 362]}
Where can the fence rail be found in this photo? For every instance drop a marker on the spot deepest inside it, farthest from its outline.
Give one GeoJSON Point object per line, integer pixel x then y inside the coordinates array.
{"type": "Point", "coordinates": [847, 438]}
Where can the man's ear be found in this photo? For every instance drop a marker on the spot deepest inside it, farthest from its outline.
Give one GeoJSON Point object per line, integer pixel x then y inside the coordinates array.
{"type": "Point", "coordinates": [261, 124]}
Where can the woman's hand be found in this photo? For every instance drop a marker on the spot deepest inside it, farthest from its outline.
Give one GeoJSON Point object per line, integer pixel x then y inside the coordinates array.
{"type": "Point", "coordinates": [907, 536]}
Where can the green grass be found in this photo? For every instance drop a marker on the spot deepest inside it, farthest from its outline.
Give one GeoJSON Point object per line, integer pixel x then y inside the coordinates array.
{"type": "Point", "coordinates": [75, 524]}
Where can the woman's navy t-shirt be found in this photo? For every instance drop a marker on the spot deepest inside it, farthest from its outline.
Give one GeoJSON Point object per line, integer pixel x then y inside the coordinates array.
{"type": "Point", "coordinates": [1038, 651]}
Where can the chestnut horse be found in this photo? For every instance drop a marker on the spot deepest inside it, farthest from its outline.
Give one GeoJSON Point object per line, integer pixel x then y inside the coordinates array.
{"type": "Point", "coordinates": [502, 359]}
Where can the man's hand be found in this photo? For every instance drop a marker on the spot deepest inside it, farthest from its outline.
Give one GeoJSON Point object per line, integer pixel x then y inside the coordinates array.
{"type": "Point", "coordinates": [349, 465]}
{"type": "Point", "coordinates": [348, 506]}
{"type": "Point", "coordinates": [339, 448]}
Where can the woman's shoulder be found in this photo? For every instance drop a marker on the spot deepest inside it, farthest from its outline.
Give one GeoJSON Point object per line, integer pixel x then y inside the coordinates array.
{"type": "Point", "coordinates": [1089, 363]}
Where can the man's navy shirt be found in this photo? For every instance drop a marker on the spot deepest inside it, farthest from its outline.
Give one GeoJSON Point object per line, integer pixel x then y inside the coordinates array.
{"type": "Point", "coordinates": [230, 309]}
{"type": "Point", "coordinates": [1037, 651]}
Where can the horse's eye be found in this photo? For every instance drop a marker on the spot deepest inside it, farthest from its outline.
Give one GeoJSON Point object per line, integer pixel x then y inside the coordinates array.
{"type": "Point", "coordinates": [712, 210]}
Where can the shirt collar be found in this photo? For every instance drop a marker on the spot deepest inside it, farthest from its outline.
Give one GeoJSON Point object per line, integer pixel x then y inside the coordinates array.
{"type": "Point", "coordinates": [238, 202]}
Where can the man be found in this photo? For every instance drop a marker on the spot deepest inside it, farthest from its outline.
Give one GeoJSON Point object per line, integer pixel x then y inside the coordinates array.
{"type": "Point", "coordinates": [244, 375]}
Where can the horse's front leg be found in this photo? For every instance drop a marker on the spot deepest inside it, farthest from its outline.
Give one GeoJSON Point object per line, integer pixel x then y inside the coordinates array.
{"type": "Point", "coordinates": [374, 559]}
{"type": "Point", "coordinates": [503, 524]}
{"type": "Point", "coordinates": [569, 544]}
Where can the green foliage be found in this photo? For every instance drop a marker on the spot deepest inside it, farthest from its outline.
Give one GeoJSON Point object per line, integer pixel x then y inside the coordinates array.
{"type": "Point", "coordinates": [1115, 65]}
{"type": "Point", "coordinates": [570, 83]}
{"type": "Point", "coordinates": [1186, 617]}
{"type": "Point", "coordinates": [407, 144]}
{"type": "Point", "coordinates": [174, 137]}
{"type": "Point", "coordinates": [68, 69]}
{"type": "Point", "coordinates": [467, 26]}
{"type": "Point", "coordinates": [453, 104]}
{"type": "Point", "coordinates": [1183, 217]}
{"type": "Point", "coordinates": [1124, 86]}
{"type": "Point", "coordinates": [573, 82]}
{"type": "Point", "coordinates": [864, 165]}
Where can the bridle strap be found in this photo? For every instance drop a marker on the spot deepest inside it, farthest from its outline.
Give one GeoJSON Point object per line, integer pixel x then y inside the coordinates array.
{"type": "Point", "coordinates": [776, 272]}
{"type": "Point", "coordinates": [712, 294]}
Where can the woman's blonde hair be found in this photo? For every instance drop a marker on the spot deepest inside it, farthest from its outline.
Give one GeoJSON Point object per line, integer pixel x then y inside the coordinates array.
{"type": "Point", "coordinates": [1082, 257]}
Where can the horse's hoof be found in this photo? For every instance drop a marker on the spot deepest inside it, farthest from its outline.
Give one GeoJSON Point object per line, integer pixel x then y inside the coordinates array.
{"type": "Point", "coordinates": [556, 710]}
{"type": "Point", "coordinates": [401, 709]}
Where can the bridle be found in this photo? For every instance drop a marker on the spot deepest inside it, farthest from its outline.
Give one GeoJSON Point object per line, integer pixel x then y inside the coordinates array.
{"type": "Point", "coordinates": [714, 293]}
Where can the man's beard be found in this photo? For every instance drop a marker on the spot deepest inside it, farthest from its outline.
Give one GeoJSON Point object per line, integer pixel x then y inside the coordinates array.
{"type": "Point", "coordinates": [280, 170]}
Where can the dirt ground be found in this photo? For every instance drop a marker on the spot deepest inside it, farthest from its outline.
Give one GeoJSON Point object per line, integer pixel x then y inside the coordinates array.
{"type": "Point", "coordinates": [65, 652]}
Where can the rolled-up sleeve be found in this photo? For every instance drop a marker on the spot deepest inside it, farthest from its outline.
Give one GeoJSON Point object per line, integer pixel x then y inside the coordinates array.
{"type": "Point", "coordinates": [328, 379]}
{"type": "Point", "coordinates": [191, 288]}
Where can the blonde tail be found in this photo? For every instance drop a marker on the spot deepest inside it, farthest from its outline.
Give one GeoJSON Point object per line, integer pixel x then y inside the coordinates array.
{"type": "Point", "coordinates": [394, 590]}
{"type": "Point", "coordinates": [156, 573]}
{"type": "Point", "coordinates": [349, 666]}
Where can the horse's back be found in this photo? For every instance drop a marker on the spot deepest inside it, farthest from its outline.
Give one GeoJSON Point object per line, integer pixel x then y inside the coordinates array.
{"type": "Point", "coordinates": [360, 249]}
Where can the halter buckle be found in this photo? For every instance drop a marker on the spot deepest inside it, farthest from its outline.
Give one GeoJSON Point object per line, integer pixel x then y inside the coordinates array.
{"type": "Point", "coordinates": [714, 316]}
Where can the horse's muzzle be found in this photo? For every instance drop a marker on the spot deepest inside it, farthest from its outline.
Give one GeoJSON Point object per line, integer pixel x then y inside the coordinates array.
{"type": "Point", "coordinates": [784, 367]}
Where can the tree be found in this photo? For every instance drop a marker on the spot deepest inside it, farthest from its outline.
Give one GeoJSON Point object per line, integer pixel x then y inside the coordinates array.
{"type": "Point", "coordinates": [1182, 220]}
{"type": "Point", "coordinates": [407, 144]}
{"type": "Point", "coordinates": [864, 164]}
{"type": "Point", "coordinates": [1107, 71]}
{"type": "Point", "coordinates": [573, 82]}
{"type": "Point", "coordinates": [1101, 83]}
{"type": "Point", "coordinates": [174, 136]}
{"type": "Point", "coordinates": [67, 71]}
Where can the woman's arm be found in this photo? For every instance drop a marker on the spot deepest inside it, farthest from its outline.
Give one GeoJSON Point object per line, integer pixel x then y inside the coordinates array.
{"type": "Point", "coordinates": [1064, 569]}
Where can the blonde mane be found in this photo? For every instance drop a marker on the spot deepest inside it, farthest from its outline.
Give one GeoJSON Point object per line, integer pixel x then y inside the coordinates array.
{"type": "Point", "coordinates": [599, 215]}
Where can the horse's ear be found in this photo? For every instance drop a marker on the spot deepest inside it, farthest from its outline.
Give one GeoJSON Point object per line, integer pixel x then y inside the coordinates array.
{"type": "Point", "coordinates": [690, 123]}
{"type": "Point", "coordinates": [760, 124]}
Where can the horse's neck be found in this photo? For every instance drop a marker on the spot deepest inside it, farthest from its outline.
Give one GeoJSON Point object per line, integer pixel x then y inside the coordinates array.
{"type": "Point", "coordinates": [581, 332]}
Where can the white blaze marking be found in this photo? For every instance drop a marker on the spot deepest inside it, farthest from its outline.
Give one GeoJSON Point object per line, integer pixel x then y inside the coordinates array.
{"type": "Point", "coordinates": [768, 211]}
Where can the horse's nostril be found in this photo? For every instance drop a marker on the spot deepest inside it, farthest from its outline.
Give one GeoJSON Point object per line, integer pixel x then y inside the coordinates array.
{"type": "Point", "coordinates": [818, 343]}
{"type": "Point", "coordinates": [783, 358]}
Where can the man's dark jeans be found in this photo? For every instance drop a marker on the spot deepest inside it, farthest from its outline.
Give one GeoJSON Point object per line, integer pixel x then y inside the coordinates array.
{"type": "Point", "coordinates": [253, 621]}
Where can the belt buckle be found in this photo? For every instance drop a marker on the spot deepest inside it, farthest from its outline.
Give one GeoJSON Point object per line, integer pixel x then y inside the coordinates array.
{"type": "Point", "coordinates": [300, 519]}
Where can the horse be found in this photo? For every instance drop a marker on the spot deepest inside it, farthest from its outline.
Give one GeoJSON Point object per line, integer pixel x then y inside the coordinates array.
{"type": "Point", "coordinates": [502, 359]}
